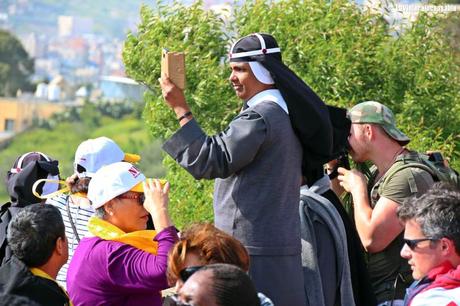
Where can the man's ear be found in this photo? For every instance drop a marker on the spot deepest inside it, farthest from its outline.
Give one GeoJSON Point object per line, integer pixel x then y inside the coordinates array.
{"type": "Point", "coordinates": [61, 245]}
{"type": "Point", "coordinates": [447, 246]}
{"type": "Point", "coordinates": [368, 130]}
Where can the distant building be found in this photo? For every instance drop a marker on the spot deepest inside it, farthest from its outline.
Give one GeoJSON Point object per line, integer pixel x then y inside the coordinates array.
{"type": "Point", "coordinates": [116, 89]}
{"type": "Point", "coordinates": [74, 26]}
{"type": "Point", "coordinates": [42, 91]}
{"type": "Point", "coordinates": [34, 45]}
{"type": "Point", "coordinates": [58, 90]}
{"type": "Point", "coordinates": [18, 115]}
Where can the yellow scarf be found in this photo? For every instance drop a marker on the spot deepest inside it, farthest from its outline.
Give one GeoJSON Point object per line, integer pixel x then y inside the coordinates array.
{"type": "Point", "coordinates": [142, 240]}
{"type": "Point", "coordinates": [41, 273]}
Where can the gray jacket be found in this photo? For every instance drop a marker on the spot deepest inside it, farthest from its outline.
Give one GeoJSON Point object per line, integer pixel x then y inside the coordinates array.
{"type": "Point", "coordinates": [256, 162]}
{"type": "Point", "coordinates": [324, 249]}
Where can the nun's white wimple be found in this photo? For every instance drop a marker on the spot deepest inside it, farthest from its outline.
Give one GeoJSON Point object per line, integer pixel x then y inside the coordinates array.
{"type": "Point", "coordinates": [261, 73]}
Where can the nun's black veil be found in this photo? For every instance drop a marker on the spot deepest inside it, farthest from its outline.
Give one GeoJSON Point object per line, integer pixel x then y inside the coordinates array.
{"type": "Point", "coordinates": [309, 115]}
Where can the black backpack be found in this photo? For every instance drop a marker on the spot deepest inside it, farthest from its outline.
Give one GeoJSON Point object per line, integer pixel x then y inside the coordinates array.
{"type": "Point", "coordinates": [437, 169]}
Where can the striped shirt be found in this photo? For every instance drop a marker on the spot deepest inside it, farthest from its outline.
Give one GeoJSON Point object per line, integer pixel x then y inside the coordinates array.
{"type": "Point", "coordinates": [80, 217]}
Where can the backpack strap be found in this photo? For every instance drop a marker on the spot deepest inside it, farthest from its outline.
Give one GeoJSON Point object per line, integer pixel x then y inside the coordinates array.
{"type": "Point", "coordinates": [69, 215]}
{"type": "Point", "coordinates": [410, 160]}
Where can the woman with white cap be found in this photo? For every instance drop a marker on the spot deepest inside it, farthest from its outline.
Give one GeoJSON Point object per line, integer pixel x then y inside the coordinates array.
{"type": "Point", "coordinates": [90, 156]}
{"type": "Point", "coordinates": [123, 264]}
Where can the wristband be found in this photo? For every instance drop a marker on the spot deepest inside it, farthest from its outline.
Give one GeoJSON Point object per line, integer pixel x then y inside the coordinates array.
{"type": "Point", "coordinates": [184, 116]}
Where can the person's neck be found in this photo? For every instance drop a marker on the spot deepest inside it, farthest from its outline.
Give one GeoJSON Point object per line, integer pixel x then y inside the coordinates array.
{"type": "Point", "coordinates": [455, 261]}
{"type": "Point", "coordinates": [50, 268]}
{"type": "Point", "coordinates": [386, 155]}
{"type": "Point", "coordinates": [262, 89]}
{"type": "Point", "coordinates": [80, 201]}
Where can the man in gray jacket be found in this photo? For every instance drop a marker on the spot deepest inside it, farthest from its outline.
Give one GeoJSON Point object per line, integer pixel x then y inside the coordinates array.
{"type": "Point", "coordinates": [257, 161]}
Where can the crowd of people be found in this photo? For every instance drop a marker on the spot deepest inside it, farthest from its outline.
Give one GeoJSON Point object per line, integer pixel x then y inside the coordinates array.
{"type": "Point", "coordinates": [281, 235]}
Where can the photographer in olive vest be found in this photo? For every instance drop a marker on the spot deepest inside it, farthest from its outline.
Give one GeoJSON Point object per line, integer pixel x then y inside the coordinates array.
{"type": "Point", "coordinates": [374, 137]}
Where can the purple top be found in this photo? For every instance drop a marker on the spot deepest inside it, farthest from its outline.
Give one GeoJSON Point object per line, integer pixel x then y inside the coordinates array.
{"type": "Point", "coordinates": [106, 272]}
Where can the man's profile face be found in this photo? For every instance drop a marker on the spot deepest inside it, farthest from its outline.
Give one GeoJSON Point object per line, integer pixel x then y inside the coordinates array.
{"type": "Point", "coordinates": [244, 82]}
{"type": "Point", "coordinates": [425, 256]}
{"type": "Point", "coordinates": [197, 290]}
{"type": "Point", "coordinates": [357, 143]}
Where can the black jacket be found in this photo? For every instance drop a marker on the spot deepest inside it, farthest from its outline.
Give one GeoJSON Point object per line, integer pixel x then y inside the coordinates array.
{"type": "Point", "coordinates": [16, 278]}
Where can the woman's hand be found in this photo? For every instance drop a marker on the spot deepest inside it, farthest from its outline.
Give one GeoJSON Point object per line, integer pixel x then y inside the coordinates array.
{"type": "Point", "coordinates": [156, 202]}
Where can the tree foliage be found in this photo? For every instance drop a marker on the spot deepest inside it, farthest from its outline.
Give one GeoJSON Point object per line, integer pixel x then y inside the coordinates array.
{"type": "Point", "coordinates": [15, 65]}
{"type": "Point", "coordinates": [200, 34]}
{"type": "Point", "coordinates": [345, 53]}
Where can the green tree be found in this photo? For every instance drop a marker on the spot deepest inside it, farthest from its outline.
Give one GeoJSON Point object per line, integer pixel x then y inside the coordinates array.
{"type": "Point", "coordinates": [15, 65]}
{"type": "Point", "coordinates": [200, 34]}
{"type": "Point", "coordinates": [345, 53]}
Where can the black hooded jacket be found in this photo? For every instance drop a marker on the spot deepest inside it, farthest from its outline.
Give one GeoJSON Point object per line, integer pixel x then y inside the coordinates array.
{"type": "Point", "coordinates": [16, 278]}
{"type": "Point", "coordinates": [19, 188]}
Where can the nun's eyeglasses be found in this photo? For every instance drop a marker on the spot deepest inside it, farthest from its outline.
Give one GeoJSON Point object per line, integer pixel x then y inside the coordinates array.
{"type": "Point", "coordinates": [413, 243]}
{"type": "Point", "coordinates": [140, 197]}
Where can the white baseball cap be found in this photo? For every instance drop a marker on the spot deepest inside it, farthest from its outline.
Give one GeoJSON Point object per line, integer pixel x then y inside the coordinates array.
{"type": "Point", "coordinates": [112, 180]}
{"type": "Point", "coordinates": [92, 154]}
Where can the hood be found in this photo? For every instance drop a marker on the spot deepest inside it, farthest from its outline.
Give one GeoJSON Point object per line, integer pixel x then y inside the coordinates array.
{"type": "Point", "coordinates": [445, 276]}
{"type": "Point", "coordinates": [19, 185]}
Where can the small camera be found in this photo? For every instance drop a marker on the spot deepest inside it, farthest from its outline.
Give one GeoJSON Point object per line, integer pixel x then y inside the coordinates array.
{"type": "Point", "coordinates": [342, 161]}
{"type": "Point", "coordinates": [435, 157]}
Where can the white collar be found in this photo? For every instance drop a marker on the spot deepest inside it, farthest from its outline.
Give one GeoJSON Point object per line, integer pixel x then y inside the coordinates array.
{"type": "Point", "coordinates": [272, 95]}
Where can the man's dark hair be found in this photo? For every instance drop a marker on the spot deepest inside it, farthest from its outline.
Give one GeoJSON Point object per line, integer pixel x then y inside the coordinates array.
{"type": "Point", "coordinates": [33, 231]}
{"type": "Point", "coordinates": [232, 286]}
{"type": "Point", "coordinates": [437, 212]}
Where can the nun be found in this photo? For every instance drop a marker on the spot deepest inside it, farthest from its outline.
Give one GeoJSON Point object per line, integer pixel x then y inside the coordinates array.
{"type": "Point", "coordinates": [283, 129]}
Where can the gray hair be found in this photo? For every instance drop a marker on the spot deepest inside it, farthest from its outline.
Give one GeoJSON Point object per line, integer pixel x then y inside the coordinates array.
{"type": "Point", "coordinates": [437, 212]}
{"type": "Point", "coordinates": [100, 212]}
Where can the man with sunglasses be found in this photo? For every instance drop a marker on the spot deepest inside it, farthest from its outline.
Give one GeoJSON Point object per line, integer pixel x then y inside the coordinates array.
{"type": "Point", "coordinates": [432, 246]}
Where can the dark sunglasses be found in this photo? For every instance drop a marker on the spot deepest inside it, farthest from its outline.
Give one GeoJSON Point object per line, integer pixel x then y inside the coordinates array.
{"type": "Point", "coordinates": [187, 272]}
{"type": "Point", "coordinates": [178, 302]}
{"type": "Point", "coordinates": [140, 197]}
{"type": "Point", "coordinates": [412, 243]}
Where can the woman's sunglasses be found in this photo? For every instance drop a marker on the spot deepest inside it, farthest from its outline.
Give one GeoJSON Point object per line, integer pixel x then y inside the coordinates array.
{"type": "Point", "coordinates": [185, 273]}
{"type": "Point", "coordinates": [140, 197]}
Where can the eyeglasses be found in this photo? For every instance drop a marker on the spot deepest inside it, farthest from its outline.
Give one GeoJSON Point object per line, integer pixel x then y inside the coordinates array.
{"type": "Point", "coordinates": [412, 243]}
{"type": "Point", "coordinates": [187, 272]}
{"type": "Point", "coordinates": [177, 302]}
{"type": "Point", "coordinates": [140, 197]}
